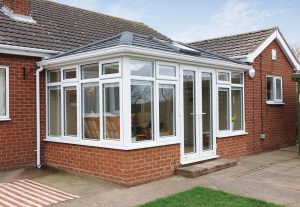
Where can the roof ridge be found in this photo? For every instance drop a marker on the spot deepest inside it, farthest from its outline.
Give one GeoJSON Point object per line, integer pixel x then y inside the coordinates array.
{"type": "Point", "coordinates": [235, 35]}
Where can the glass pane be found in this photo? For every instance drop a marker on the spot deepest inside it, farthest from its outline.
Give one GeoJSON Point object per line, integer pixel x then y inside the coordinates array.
{"type": "Point", "coordinates": [270, 89]}
{"type": "Point", "coordinates": [236, 78]}
{"type": "Point", "coordinates": [207, 130]}
{"type": "Point", "coordinates": [110, 68]}
{"type": "Point", "coordinates": [90, 71]}
{"type": "Point", "coordinates": [189, 111]}
{"type": "Point", "coordinates": [111, 110]}
{"type": "Point", "coordinates": [237, 108]}
{"type": "Point", "coordinates": [70, 107]}
{"type": "Point", "coordinates": [90, 111]}
{"type": "Point", "coordinates": [142, 110]}
{"type": "Point", "coordinates": [278, 88]}
{"type": "Point", "coordinates": [70, 74]}
{"type": "Point", "coordinates": [222, 76]}
{"type": "Point", "coordinates": [166, 70]}
{"type": "Point", "coordinates": [141, 68]}
{"type": "Point", "coordinates": [167, 120]}
{"type": "Point", "coordinates": [53, 76]}
{"type": "Point", "coordinates": [223, 108]}
{"type": "Point", "coordinates": [54, 111]}
{"type": "Point", "coordinates": [2, 92]}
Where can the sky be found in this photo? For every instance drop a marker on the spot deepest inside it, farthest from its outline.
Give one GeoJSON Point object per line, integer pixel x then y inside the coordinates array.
{"type": "Point", "coordinates": [192, 20]}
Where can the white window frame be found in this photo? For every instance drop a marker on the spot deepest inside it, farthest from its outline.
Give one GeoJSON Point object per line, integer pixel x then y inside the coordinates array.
{"type": "Point", "coordinates": [229, 85]}
{"type": "Point", "coordinates": [176, 66]}
{"type": "Point", "coordinates": [6, 117]}
{"type": "Point", "coordinates": [73, 67]}
{"type": "Point", "coordinates": [224, 82]}
{"type": "Point", "coordinates": [108, 61]}
{"type": "Point", "coordinates": [177, 120]}
{"type": "Point", "coordinates": [275, 99]}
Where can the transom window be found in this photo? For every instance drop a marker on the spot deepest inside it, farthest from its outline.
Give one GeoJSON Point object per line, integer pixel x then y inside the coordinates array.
{"type": "Point", "coordinates": [4, 93]}
{"type": "Point", "coordinates": [274, 90]}
{"type": "Point", "coordinates": [230, 102]}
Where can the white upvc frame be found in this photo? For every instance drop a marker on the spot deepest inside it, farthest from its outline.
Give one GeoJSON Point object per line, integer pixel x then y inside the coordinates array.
{"type": "Point", "coordinates": [224, 82]}
{"type": "Point", "coordinates": [275, 99]}
{"type": "Point", "coordinates": [72, 67]}
{"type": "Point", "coordinates": [177, 118]}
{"type": "Point", "coordinates": [228, 85]}
{"type": "Point", "coordinates": [6, 117]}
{"type": "Point", "coordinates": [108, 61]}
{"type": "Point", "coordinates": [160, 63]}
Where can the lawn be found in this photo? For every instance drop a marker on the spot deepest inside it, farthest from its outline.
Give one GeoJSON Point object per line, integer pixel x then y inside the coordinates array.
{"type": "Point", "coordinates": [205, 197]}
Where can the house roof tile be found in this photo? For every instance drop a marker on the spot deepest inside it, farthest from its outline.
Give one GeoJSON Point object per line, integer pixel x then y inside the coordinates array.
{"type": "Point", "coordinates": [235, 45]}
{"type": "Point", "coordinates": [60, 27]}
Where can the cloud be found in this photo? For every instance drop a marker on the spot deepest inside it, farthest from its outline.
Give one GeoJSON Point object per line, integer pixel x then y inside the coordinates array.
{"type": "Point", "coordinates": [234, 17]}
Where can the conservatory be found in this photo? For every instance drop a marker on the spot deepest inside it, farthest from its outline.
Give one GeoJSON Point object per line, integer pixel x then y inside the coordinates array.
{"type": "Point", "coordinates": [133, 92]}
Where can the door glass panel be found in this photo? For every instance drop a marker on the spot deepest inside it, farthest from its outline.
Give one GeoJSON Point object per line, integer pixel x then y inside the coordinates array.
{"type": "Point", "coordinates": [189, 111]}
{"type": "Point", "coordinates": [70, 107]}
{"type": "Point", "coordinates": [207, 133]}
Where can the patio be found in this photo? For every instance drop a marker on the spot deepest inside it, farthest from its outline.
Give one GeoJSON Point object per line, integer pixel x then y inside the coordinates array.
{"type": "Point", "coordinates": [272, 176]}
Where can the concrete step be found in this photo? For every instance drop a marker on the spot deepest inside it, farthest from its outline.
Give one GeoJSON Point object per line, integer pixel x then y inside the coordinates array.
{"type": "Point", "coordinates": [197, 170]}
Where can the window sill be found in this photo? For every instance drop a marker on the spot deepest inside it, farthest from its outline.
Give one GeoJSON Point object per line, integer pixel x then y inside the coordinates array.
{"type": "Point", "coordinates": [274, 103]}
{"type": "Point", "coordinates": [5, 119]}
{"type": "Point", "coordinates": [100, 144]}
{"type": "Point", "coordinates": [231, 134]}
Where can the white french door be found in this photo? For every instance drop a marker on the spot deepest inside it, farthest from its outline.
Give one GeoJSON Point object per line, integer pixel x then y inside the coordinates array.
{"type": "Point", "coordinates": [197, 94]}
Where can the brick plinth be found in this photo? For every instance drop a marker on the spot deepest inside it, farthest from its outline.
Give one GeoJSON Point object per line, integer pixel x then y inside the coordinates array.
{"type": "Point", "coordinates": [129, 168]}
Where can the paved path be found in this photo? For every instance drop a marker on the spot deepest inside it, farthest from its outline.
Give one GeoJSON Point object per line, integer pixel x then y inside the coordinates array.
{"type": "Point", "coordinates": [273, 176]}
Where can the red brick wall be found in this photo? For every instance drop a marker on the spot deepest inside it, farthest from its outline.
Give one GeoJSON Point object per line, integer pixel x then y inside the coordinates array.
{"type": "Point", "coordinates": [279, 121]}
{"type": "Point", "coordinates": [129, 168]}
{"type": "Point", "coordinates": [18, 136]}
{"type": "Point", "coordinates": [18, 6]}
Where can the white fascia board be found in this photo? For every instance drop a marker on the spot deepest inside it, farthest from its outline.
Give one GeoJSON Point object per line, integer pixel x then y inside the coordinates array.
{"type": "Point", "coordinates": [26, 51]}
{"type": "Point", "coordinates": [283, 45]}
{"type": "Point", "coordinates": [142, 52]}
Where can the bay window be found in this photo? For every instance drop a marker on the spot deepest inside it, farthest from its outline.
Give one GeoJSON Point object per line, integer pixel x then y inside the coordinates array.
{"type": "Point", "coordinates": [4, 93]}
{"type": "Point", "coordinates": [274, 90]}
{"type": "Point", "coordinates": [230, 102]}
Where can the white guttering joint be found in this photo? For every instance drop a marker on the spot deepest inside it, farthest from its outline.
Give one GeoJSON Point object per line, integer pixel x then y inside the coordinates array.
{"type": "Point", "coordinates": [38, 119]}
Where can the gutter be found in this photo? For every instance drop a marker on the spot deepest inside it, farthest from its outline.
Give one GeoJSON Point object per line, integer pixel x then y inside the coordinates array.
{"type": "Point", "coordinates": [27, 51]}
{"type": "Point", "coordinates": [38, 119]}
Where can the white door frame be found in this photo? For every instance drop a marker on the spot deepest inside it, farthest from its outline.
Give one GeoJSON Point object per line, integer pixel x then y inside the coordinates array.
{"type": "Point", "coordinates": [199, 155]}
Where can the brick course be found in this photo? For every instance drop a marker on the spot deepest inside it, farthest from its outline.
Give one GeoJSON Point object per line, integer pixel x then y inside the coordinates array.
{"type": "Point", "coordinates": [18, 136]}
{"type": "Point", "coordinates": [129, 168]}
{"type": "Point", "coordinates": [279, 121]}
{"type": "Point", "coordinates": [18, 6]}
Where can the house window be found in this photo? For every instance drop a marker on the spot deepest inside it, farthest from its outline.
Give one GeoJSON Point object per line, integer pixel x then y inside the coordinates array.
{"type": "Point", "coordinates": [90, 111]}
{"type": "Point", "coordinates": [69, 74]}
{"type": "Point", "coordinates": [4, 93]}
{"type": "Point", "coordinates": [111, 111]}
{"type": "Point", "coordinates": [142, 110]}
{"type": "Point", "coordinates": [167, 110]}
{"type": "Point", "coordinates": [274, 90]}
{"type": "Point", "coordinates": [53, 76]}
{"type": "Point", "coordinates": [141, 68]}
{"type": "Point", "coordinates": [70, 111]}
{"type": "Point", "coordinates": [54, 111]}
{"type": "Point", "coordinates": [230, 103]}
{"type": "Point", "coordinates": [110, 68]}
{"type": "Point", "coordinates": [90, 71]}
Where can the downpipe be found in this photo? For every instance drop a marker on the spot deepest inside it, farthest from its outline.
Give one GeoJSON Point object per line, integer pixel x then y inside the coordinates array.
{"type": "Point", "coordinates": [38, 119]}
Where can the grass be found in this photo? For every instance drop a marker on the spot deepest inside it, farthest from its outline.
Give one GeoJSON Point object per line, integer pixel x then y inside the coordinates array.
{"type": "Point", "coordinates": [205, 197]}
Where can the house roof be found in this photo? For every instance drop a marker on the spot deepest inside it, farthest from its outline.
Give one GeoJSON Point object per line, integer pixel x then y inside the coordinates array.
{"type": "Point", "coordinates": [236, 45]}
{"type": "Point", "coordinates": [60, 27]}
{"type": "Point", "coordinates": [144, 41]}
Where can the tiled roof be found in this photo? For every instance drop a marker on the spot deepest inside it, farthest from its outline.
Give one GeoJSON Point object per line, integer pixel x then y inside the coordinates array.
{"type": "Point", "coordinates": [61, 28]}
{"type": "Point", "coordinates": [235, 45]}
{"type": "Point", "coordinates": [138, 40]}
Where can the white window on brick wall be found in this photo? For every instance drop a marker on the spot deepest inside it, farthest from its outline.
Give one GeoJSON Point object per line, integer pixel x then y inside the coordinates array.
{"type": "Point", "coordinates": [274, 90]}
{"type": "Point", "coordinates": [4, 93]}
{"type": "Point", "coordinates": [230, 103]}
